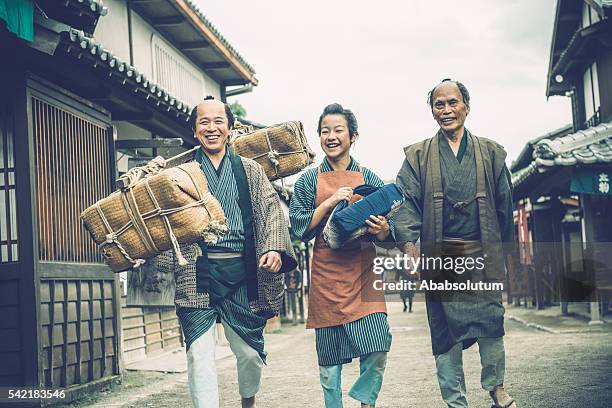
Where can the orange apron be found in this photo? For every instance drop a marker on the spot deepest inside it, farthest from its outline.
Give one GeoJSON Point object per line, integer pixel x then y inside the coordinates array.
{"type": "Point", "coordinates": [341, 285]}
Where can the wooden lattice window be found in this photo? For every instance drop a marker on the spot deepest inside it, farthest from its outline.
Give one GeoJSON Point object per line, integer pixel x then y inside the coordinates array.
{"type": "Point", "coordinates": [9, 251]}
{"type": "Point", "coordinates": [78, 336]}
{"type": "Point", "coordinates": [73, 171]}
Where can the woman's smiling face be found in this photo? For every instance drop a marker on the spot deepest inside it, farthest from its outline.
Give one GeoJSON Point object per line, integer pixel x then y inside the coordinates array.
{"type": "Point", "coordinates": [335, 136]}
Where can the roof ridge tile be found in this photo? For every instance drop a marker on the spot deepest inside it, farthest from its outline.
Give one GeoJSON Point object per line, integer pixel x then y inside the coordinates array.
{"type": "Point", "coordinates": [115, 63]}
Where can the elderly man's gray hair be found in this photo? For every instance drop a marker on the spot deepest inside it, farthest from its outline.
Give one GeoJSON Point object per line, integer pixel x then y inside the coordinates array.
{"type": "Point", "coordinates": [464, 92]}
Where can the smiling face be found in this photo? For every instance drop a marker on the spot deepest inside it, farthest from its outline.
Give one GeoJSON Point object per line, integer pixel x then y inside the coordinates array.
{"type": "Point", "coordinates": [211, 126]}
{"type": "Point", "coordinates": [449, 109]}
{"type": "Point", "coordinates": [335, 138]}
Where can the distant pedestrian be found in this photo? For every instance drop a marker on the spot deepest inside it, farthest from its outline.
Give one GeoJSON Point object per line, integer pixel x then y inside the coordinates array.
{"type": "Point", "coordinates": [407, 292]}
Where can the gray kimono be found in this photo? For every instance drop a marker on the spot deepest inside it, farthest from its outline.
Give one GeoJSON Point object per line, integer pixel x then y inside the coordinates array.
{"type": "Point", "coordinates": [469, 199]}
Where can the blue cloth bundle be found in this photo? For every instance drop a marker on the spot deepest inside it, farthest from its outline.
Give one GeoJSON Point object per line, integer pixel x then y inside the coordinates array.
{"type": "Point", "coordinates": [347, 222]}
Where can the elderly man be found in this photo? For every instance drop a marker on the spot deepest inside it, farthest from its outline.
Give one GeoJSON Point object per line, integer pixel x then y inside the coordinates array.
{"type": "Point", "coordinates": [459, 205]}
{"type": "Point", "coordinates": [238, 280]}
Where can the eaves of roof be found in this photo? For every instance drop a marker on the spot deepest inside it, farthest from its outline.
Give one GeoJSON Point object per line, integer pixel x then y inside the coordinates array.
{"type": "Point", "coordinates": [88, 51]}
{"type": "Point", "coordinates": [526, 154]}
{"type": "Point", "coordinates": [96, 6]}
{"type": "Point", "coordinates": [585, 147]}
{"type": "Point", "coordinates": [79, 14]}
{"type": "Point", "coordinates": [183, 24]}
{"type": "Point", "coordinates": [579, 50]}
{"type": "Point", "coordinates": [249, 122]}
{"type": "Point", "coordinates": [604, 3]}
{"type": "Point", "coordinates": [218, 34]}
{"type": "Point", "coordinates": [578, 40]}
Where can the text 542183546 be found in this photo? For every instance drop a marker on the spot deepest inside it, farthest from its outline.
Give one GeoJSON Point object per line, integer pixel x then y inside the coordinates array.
{"type": "Point", "coordinates": [8, 394]}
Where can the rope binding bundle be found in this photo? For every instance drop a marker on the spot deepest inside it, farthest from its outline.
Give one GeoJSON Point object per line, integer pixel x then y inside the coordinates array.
{"type": "Point", "coordinates": [157, 209]}
{"type": "Point", "coordinates": [154, 211]}
{"type": "Point", "coordinates": [282, 149]}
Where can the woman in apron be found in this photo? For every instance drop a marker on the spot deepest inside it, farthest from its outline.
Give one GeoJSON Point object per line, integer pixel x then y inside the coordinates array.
{"type": "Point", "coordinates": [349, 316]}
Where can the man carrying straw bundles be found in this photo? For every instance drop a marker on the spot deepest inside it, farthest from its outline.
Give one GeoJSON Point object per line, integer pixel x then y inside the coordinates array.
{"type": "Point", "coordinates": [239, 279]}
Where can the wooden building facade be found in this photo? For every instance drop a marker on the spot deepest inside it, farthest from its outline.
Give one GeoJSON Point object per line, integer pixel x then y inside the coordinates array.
{"type": "Point", "coordinates": [562, 179]}
{"type": "Point", "coordinates": [148, 331]}
{"type": "Point", "coordinates": [68, 103]}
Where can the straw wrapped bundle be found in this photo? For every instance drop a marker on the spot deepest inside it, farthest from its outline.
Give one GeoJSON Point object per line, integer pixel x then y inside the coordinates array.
{"type": "Point", "coordinates": [154, 214]}
{"type": "Point", "coordinates": [281, 149]}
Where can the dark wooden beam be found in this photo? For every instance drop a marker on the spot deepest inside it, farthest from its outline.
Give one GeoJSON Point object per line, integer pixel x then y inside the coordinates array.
{"type": "Point", "coordinates": [165, 124]}
{"type": "Point", "coordinates": [69, 270]}
{"type": "Point", "coordinates": [569, 17]}
{"type": "Point", "coordinates": [216, 65]}
{"type": "Point", "coordinates": [131, 116]}
{"type": "Point", "coordinates": [194, 46]}
{"type": "Point", "coordinates": [148, 143]}
{"type": "Point", "coordinates": [17, 102]}
{"type": "Point", "coordinates": [555, 181]}
{"type": "Point", "coordinates": [235, 82]}
{"type": "Point", "coordinates": [115, 98]}
{"type": "Point", "coordinates": [167, 21]}
{"type": "Point", "coordinates": [98, 93]}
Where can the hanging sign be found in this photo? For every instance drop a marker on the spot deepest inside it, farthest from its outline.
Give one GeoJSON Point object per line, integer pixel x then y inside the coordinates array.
{"type": "Point", "coordinates": [592, 181]}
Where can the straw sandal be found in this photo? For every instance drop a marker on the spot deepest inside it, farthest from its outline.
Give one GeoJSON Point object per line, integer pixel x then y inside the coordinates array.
{"type": "Point", "coordinates": [508, 404]}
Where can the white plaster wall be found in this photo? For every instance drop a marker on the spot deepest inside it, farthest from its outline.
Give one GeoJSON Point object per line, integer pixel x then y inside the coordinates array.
{"type": "Point", "coordinates": [141, 45]}
{"type": "Point", "coordinates": [211, 87]}
{"type": "Point", "coordinates": [112, 29]}
{"type": "Point", "coordinates": [142, 35]}
{"type": "Point", "coordinates": [112, 33]}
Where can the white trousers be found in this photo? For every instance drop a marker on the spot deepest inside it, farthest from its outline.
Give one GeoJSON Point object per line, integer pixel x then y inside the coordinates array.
{"type": "Point", "coordinates": [202, 369]}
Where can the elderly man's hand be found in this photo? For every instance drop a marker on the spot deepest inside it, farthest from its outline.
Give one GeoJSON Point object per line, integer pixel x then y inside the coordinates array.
{"type": "Point", "coordinates": [271, 261]}
{"type": "Point", "coordinates": [378, 226]}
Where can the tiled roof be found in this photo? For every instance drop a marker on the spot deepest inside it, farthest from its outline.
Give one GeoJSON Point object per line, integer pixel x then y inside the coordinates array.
{"type": "Point", "coordinates": [577, 44]}
{"type": "Point", "coordinates": [590, 146]}
{"type": "Point", "coordinates": [131, 78]}
{"type": "Point", "coordinates": [569, 49]}
{"type": "Point", "coordinates": [256, 125]}
{"type": "Point", "coordinates": [523, 174]}
{"type": "Point", "coordinates": [96, 6]}
{"type": "Point", "coordinates": [226, 43]}
{"type": "Point", "coordinates": [526, 154]}
{"type": "Point", "coordinates": [78, 14]}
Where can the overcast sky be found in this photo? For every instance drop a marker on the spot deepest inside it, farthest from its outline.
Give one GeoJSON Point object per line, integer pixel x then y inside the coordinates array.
{"type": "Point", "coordinates": [380, 58]}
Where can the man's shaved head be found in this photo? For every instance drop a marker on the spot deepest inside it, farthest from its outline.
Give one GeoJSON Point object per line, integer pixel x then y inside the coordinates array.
{"type": "Point", "coordinates": [212, 121]}
{"type": "Point", "coordinates": [212, 102]}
